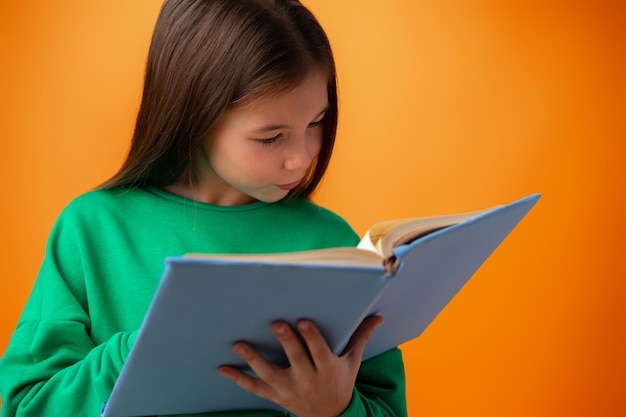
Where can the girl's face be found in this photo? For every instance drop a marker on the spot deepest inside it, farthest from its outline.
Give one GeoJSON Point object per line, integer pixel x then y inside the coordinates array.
{"type": "Point", "coordinates": [262, 150]}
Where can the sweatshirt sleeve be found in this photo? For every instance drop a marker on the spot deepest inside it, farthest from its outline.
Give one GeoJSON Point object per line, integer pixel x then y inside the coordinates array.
{"type": "Point", "coordinates": [380, 387]}
{"type": "Point", "coordinates": [52, 366]}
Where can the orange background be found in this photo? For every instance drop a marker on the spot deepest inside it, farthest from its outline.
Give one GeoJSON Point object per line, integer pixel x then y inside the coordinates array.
{"type": "Point", "coordinates": [445, 106]}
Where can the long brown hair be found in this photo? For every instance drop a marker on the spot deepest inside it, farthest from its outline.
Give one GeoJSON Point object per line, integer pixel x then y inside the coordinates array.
{"type": "Point", "coordinates": [207, 56]}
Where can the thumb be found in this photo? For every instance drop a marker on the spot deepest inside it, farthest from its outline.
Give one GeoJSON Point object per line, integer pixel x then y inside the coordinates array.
{"type": "Point", "coordinates": [361, 336]}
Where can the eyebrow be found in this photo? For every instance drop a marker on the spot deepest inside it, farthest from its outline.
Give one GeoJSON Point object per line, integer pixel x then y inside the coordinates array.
{"type": "Point", "coordinates": [270, 127]}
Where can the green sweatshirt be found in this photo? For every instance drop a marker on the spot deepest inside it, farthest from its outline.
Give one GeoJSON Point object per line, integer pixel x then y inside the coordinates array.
{"type": "Point", "coordinates": [103, 262]}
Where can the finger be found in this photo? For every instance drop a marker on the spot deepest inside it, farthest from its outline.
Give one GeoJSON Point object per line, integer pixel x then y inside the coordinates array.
{"type": "Point", "coordinates": [264, 369]}
{"type": "Point", "coordinates": [294, 349]}
{"type": "Point", "coordinates": [242, 379]}
{"type": "Point", "coordinates": [361, 336]}
{"type": "Point", "coordinates": [315, 342]}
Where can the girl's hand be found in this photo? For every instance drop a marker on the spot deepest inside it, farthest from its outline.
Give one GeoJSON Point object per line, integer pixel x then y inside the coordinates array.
{"type": "Point", "coordinates": [316, 385]}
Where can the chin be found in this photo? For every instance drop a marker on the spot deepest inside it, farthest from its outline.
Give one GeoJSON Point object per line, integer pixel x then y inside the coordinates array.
{"type": "Point", "coordinates": [271, 197]}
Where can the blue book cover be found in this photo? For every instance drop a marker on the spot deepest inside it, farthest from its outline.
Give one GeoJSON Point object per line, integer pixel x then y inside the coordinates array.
{"type": "Point", "coordinates": [206, 303]}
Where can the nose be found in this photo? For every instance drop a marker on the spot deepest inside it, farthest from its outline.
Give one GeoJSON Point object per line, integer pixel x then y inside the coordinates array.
{"type": "Point", "coordinates": [302, 152]}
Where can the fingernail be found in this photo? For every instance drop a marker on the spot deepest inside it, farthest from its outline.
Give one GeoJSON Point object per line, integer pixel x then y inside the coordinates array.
{"type": "Point", "coordinates": [280, 328]}
{"type": "Point", "coordinates": [240, 348]}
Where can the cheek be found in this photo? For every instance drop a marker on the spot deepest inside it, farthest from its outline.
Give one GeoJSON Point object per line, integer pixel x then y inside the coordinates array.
{"type": "Point", "coordinates": [315, 145]}
{"type": "Point", "coordinates": [255, 163]}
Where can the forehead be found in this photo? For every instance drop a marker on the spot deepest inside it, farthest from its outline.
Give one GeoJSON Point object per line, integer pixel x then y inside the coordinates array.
{"type": "Point", "coordinates": [306, 99]}
{"type": "Point", "coordinates": [270, 90]}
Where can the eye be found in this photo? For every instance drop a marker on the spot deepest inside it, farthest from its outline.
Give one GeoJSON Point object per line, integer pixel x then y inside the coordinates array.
{"type": "Point", "coordinates": [270, 141]}
{"type": "Point", "coordinates": [318, 123]}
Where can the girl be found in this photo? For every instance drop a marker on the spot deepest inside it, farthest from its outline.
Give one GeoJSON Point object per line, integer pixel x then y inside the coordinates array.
{"type": "Point", "coordinates": [235, 131]}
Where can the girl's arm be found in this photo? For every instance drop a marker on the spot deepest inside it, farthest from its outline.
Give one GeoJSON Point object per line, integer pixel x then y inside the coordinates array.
{"type": "Point", "coordinates": [52, 367]}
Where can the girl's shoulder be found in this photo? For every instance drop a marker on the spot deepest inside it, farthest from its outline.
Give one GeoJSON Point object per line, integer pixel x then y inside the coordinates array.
{"type": "Point", "coordinates": [326, 225]}
{"type": "Point", "coordinates": [106, 206]}
{"type": "Point", "coordinates": [100, 200]}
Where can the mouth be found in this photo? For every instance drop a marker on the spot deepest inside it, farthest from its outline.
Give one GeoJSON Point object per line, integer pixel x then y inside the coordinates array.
{"type": "Point", "coordinates": [289, 186]}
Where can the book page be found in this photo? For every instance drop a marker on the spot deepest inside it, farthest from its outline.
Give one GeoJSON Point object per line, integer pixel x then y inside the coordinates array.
{"type": "Point", "coordinates": [382, 237]}
{"type": "Point", "coordinates": [332, 256]}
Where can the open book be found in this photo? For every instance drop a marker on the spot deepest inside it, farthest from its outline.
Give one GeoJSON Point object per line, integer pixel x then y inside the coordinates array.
{"type": "Point", "coordinates": [406, 271]}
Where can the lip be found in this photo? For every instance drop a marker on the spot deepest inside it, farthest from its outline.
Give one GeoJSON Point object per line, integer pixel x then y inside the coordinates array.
{"type": "Point", "coordinates": [289, 186]}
